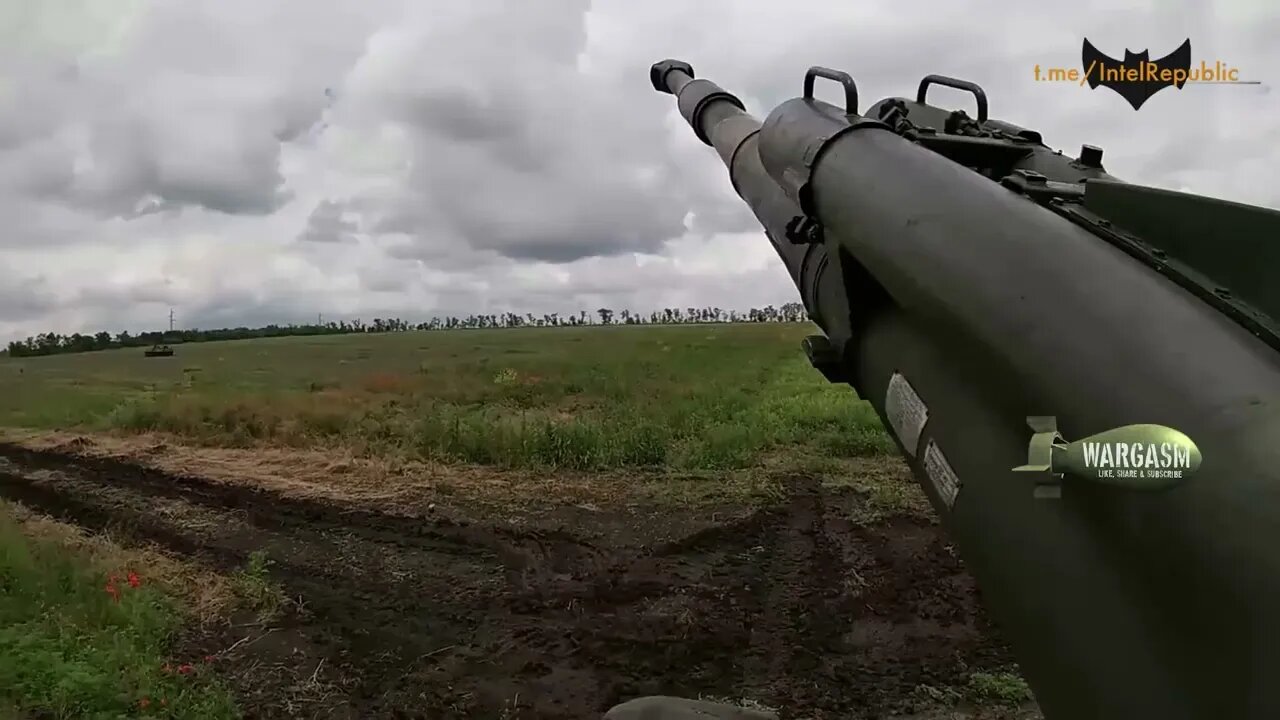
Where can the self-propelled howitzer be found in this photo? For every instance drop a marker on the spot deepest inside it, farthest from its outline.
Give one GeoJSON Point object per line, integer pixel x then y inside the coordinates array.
{"type": "Point", "coordinates": [967, 278]}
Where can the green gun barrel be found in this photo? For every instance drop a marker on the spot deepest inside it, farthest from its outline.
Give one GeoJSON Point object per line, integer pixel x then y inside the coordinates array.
{"type": "Point", "coordinates": [968, 279]}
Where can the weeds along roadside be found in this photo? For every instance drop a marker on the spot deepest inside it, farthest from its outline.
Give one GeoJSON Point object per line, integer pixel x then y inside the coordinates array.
{"type": "Point", "coordinates": [87, 627]}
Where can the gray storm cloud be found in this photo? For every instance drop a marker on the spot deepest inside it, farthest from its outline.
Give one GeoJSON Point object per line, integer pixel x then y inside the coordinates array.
{"type": "Point", "coordinates": [519, 151]}
{"type": "Point", "coordinates": [22, 297]}
{"type": "Point", "coordinates": [254, 162]}
{"type": "Point", "coordinates": [328, 225]}
{"type": "Point", "coordinates": [189, 110]}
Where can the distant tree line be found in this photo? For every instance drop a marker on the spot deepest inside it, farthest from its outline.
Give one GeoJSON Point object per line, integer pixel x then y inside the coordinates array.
{"type": "Point", "coordinates": [54, 343]}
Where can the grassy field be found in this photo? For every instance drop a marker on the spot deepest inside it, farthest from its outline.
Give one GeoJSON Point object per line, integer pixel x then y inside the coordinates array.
{"type": "Point", "coordinates": [706, 397]}
{"type": "Point", "coordinates": [325, 522]}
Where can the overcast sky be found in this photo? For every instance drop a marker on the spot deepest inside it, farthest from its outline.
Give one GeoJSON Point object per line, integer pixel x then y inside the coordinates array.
{"type": "Point", "coordinates": [257, 161]}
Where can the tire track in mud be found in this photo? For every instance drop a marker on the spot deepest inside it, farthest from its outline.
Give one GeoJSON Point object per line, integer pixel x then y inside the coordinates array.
{"type": "Point", "coordinates": [433, 617]}
{"type": "Point", "coordinates": [801, 612]}
{"type": "Point", "coordinates": [368, 601]}
{"type": "Point", "coordinates": [266, 508]}
{"type": "Point", "coordinates": [371, 605]}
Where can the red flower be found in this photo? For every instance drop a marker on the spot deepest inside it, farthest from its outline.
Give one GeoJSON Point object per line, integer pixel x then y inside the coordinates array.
{"type": "Point", "coordinates": [113, 592]}
{"type": "Point", "coordinates": [134, 580]}
{"type": "Point", "coordinates": [184, 668]}
{"type": "Point", "coordinates": [143, 703]}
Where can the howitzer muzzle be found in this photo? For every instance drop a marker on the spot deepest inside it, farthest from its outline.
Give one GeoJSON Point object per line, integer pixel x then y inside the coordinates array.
{"type": "Point", "coordinates": [719, 119]}
{"type": "Point", "coordinates": [694, 96]}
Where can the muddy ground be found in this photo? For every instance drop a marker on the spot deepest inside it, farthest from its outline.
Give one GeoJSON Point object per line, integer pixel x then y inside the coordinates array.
{"type": "Point", "coordinates": [425, 612]}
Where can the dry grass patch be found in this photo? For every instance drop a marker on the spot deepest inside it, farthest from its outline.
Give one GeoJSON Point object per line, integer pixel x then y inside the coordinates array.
{"type": "Point", "coordinates": [395, 484]}
{"type": "Point", "coordinates": [342, 476]}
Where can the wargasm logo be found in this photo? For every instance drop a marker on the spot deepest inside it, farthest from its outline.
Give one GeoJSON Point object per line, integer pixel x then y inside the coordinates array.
{"type": "Point", "coordinates": [1164, 459]}
{"type": "Point", "coordinates": [1136, 456]}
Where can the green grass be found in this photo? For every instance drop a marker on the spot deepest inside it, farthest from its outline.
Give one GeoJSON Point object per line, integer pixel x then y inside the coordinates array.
{"type": "Point", "coordinates": [1005, 688]}
{"type": "Point", "coordinates": [256, 589]}
{"type": "Point", "coordinates": [69, 650]}
{"type": "Point", "coordinates": [701, 397]}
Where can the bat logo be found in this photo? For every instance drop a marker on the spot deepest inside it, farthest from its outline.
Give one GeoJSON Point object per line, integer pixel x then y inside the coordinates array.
{"type": "Point", "coordinates": [1137, 77]}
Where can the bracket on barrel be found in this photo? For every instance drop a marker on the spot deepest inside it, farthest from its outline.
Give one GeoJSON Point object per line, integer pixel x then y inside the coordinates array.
{"type": "Point", "coordinates": [978, 93]}
{"type": "Point", "coordinates": [824, 357]}
{"type": "Point", "coordinates": [845, 80]}
{"type": "Point", "coordinates": [803, 230]}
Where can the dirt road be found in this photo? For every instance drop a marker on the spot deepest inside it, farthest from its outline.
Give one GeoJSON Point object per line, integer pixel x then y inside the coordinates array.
{"type": "Point", "coordinates": [467, 614]}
